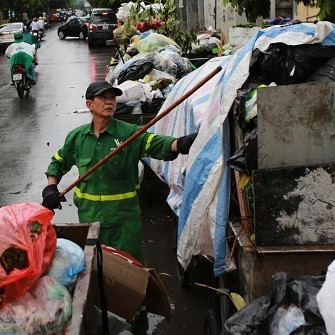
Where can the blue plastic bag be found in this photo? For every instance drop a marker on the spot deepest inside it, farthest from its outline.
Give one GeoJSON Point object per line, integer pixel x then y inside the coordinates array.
{"type": "Point", "coordinates": [69, 260]}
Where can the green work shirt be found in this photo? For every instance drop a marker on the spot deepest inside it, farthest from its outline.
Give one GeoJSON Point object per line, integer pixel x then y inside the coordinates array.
{"type": "Point", "coordinates": [109, 194]}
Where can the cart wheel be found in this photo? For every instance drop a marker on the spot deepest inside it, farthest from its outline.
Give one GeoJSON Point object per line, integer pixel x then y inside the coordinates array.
{"type": "Point", "coordinates": [212, 325]}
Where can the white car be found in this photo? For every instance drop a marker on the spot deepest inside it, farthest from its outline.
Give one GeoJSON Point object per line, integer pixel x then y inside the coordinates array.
{"type": "Point", "coordinates": [8, 30]}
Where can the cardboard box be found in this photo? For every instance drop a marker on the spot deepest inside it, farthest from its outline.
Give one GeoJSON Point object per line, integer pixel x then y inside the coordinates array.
{"type": "Point", "coordinates": [126, 286]}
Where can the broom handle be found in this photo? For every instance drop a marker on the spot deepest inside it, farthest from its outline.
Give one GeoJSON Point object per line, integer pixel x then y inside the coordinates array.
{"type": "Point", "coordinates": [142, 130]}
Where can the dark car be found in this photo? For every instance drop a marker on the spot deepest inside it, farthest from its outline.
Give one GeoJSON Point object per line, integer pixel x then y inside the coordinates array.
{"type": "Point", "coordinates": [102, 23]}
{"type": "Point", "coordinates": [76, 27]}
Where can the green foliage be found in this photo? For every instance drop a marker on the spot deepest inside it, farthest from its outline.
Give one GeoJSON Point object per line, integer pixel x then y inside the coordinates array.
{"type": "Point", "coordinates": [252, 8]}
{"type": "Point", "coordinates": [33, 6]}
{"type": "Point", "coordinates": [255, 8]}
{"type": "Point", "coordinates": [171, 28]}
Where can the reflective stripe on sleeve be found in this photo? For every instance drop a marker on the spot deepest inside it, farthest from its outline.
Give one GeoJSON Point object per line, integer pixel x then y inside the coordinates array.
{"type": "Point", "coordinates": [105, 197]}
{"type": "Point", "coordinates": [59, 158]}
{"type": "Point", "coordinates": [147, 145]}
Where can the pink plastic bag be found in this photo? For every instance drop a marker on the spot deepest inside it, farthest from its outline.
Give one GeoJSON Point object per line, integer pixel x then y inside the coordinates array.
{"type": "Point", "coordinates": [26, 232]}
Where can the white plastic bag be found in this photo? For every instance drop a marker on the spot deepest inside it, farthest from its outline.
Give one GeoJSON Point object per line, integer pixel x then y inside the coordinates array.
{"type": "Point", "coordinates": [286, 320]}
{"type": "Point", "coordinates": [325, 299]}
{"type": "Point", "coordinates": [132, 91]}
{"type": "Point", "coordinates": [45, 309]}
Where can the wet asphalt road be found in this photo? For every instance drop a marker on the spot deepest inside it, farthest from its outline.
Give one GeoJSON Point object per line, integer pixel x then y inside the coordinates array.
{"type": "Point", "coordinates": [32, 130]}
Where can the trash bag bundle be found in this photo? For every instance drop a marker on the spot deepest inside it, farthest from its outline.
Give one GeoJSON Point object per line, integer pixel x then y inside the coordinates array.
{"type": "Point", "coordinates": [45, 309]}
{"type": "Point", "coordinates": [69, 260]}
{"type": "Point", "coordinates": [286, 64]}
{"type": "Point", "coordinates": [155, 41]}
{"type": "Point", "coordinates": [169, 60]}
{"type": "Point", "coordinates": [245, 158]}
{"type": "Point", "coordinates": [123, 37]}
{"type": "Point", "coordinates": [291, 309]}
{"type": "Point", "coordinates": [325, 73]}
{"type": "Point", "coordinates": [136, 70]}
{"type": "Point", "coordinates": [122, 68]}
{"type": "Point", "coordinates": [28, 242]}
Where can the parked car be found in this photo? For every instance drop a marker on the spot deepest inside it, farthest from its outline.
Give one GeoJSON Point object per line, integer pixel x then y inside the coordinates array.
{"type": "Point", "coordinates": [54, 17]}
{"type": "Point", "coordinates": [102, 23]}
{"type": "Point", "coordinates": [8, 30]}
{"type": "Point", "coordinates": [77, 27]}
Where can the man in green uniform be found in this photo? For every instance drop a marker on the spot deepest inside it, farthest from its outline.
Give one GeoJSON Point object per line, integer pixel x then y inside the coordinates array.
{"type": "Point", "coordinates": [109, 195]}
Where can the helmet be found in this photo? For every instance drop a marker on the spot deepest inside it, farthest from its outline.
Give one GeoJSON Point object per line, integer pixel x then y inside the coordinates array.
{"type": "Point", "coordinates": [18, 35]}
{"type": "Point", "coordinates": [40, 18]}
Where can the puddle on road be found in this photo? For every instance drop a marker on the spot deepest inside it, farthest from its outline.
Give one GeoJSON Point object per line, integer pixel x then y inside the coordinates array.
{"type": "Point", "coordinates": [154, 320]}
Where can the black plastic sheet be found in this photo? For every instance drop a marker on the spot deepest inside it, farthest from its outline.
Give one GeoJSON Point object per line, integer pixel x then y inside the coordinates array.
{"type": "Point", "coordinates": [255, 318]}
{"type": "Point", "coordinates": [123, 109]}
{"type": "Point", "coordinates": [286, 64]}
{"type": "Point", "coordinates": [325, 73]}
{"type": "Point", "coordinates": [152, 106]}
{"type": "Point", "coordinates": [137, 70]}
{"type": "Point", "coordinates": [245, 158]}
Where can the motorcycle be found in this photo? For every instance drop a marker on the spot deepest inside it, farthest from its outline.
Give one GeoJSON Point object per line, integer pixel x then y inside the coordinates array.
{"type": "Point", "coordinates": [38, 34]}
{"type": "Point", "coordinates": [20, 81]}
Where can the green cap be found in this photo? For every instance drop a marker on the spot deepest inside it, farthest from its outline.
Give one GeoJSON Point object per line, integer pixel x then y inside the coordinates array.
{"type": "Point", "coordinates": [18, 35]}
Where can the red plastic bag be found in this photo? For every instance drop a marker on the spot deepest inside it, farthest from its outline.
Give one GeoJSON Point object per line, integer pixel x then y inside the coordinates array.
{"type": "Point", "coordinates": [28, 239]}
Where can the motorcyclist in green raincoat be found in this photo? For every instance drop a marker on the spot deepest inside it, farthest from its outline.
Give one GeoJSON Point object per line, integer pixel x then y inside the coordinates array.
{"type": "Point", "coordinates": [22, 53]}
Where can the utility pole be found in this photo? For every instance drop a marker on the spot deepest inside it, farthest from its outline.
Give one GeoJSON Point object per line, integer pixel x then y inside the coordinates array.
{"type": "Point", "coordinates": [215, 13]}
{"type": "Point", "coordinates": [294, 9]}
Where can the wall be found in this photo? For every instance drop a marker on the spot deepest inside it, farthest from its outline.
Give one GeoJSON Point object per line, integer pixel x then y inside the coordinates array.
{"type": "Point", "coordinates": [200, 15]}
{"type": "Point", "coordinates": [303, 12]}
{"type": "Point", "coordinates": [226, 16]}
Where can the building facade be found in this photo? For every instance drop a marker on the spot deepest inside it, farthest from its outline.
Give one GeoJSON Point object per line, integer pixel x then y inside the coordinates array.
{"type": "Point", "coordinates": [203, 14]}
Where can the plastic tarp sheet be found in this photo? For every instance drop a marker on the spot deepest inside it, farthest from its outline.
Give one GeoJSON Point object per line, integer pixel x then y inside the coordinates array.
{"type": "Point", "coordinates": [199, 182]}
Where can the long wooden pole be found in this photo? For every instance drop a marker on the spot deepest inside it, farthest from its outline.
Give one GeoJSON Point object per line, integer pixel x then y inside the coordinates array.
{"type": "Point", "coordinates": [142, 130]}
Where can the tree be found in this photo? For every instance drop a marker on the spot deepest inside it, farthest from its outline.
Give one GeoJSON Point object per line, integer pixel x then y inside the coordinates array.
{"type": "Point", "coordinates": [33, 7]}
{"type": "Point", "coordinates": [114, 4]}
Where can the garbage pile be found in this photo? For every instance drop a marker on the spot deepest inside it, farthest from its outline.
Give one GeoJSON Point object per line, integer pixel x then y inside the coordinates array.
{"type": "Point", "coordinates": [279, 55]}
{"type": "Point", "coordinates": [149, 66]}
{"type": "Point", "coordinates": [153, 71]}
{"type": "Point", "coordinates": [37, 271]}
{"type": "Point", "coordinates": [208, 43]}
